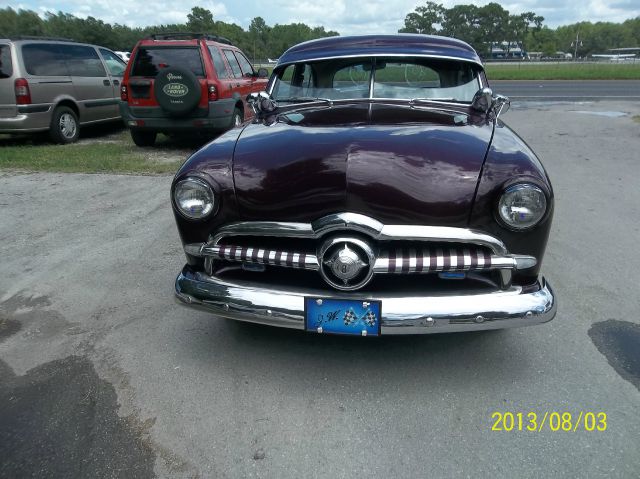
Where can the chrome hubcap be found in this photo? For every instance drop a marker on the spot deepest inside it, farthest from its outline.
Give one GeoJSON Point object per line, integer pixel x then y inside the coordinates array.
{"type": "Point", "coordinates": [67, 125]}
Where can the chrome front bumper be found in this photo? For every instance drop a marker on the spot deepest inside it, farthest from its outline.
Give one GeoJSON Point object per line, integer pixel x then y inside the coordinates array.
{"type": "Point", "coordinates": [254, 303]}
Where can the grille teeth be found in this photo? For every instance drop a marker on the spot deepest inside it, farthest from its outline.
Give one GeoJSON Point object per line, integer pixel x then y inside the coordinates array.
{"type": "Point", "coordinates": [394, 261]}
{"type": "Point", "coordinates": [286, 259]}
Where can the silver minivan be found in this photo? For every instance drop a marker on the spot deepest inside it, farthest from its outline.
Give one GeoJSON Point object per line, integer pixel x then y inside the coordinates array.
{"type": "Point", "coordinates": [57, 86]}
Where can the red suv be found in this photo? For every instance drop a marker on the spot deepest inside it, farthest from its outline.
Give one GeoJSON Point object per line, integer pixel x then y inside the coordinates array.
{"type": "Point", "coordinates": [183, 82]}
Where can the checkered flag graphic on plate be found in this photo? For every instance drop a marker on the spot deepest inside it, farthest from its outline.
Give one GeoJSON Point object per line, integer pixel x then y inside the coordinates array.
{"type": "Point", "coordinates": [349, 317]}
{"type": "Point", "coordinates": [370, 318]}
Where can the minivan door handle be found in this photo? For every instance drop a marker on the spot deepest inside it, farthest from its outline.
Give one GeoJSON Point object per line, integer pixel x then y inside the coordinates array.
{"type": "Point", "coordinates": [116, 82]}
{"type": "Point", "coordinates": [106, 82]}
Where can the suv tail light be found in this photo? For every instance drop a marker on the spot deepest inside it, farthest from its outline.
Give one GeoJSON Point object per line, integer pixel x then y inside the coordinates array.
{"type": "Point", "coordinates": [213, 92]}
{"type": "Point", "coordinates": [124, 95]}
{"type": "Point", "coordinates": [23, 94]}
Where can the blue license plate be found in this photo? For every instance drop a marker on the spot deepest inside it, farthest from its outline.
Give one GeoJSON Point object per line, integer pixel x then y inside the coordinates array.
{"type": "Point", "coordinates": [343, 316]}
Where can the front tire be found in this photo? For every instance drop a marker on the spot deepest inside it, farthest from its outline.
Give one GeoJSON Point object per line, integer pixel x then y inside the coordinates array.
{"type": "Point", "coordinates": [143, 138]}
{"type": "Point", "coordinates": [64, 126]}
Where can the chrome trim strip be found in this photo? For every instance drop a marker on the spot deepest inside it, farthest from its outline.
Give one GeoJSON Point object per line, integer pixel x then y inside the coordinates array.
{"type": "Point", "coordinates": [445, 234]}
{"type": "Point", "coordinates": [363, 224]}
{"type": "Point", "coordinates": [388, 55]}
{"type": "Point", "coordinates": [401, 315]}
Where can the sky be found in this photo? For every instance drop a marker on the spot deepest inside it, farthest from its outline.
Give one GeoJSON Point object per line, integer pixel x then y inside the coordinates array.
{"type": "Point", "coordinates": [347, 17]}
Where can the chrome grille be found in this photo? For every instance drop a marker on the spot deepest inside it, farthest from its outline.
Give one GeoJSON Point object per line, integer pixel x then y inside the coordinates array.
{"type": "Point", "coordinates": [399, 249]}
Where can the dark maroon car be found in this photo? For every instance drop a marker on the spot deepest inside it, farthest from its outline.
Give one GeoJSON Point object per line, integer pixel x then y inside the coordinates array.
{"type": "Point", "coordinates": [376, 192]}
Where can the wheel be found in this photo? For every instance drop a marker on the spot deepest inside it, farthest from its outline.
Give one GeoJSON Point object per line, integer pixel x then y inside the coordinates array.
{"type": "Point", "coordinates": [143, 138]}
{"type": "Point", "coordinates": [236, 119]}
{"type": "Point", "coordinates": [64, 125]}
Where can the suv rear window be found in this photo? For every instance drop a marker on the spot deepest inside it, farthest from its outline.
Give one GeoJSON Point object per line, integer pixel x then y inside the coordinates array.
{"type": "Point", "coordinates": [149, 61]}
{"type": "Point", "coordinates": [6, 67]}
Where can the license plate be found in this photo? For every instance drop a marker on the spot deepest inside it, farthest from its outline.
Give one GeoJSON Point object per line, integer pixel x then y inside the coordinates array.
{"type": "Point", "coordinates": [343, 316]}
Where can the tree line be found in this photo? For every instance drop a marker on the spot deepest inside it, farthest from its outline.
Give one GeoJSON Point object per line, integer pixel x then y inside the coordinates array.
{"type": "Point", "coordinates": [478, 26]}
{"type": "Point", "coordinates": [490, 24]}
{"type": "Point", "coordinates": [259, 42]}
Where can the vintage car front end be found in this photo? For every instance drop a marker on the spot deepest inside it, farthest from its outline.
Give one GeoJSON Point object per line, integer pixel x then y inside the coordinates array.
{"type": "Point", "coordinates": [351, 205]}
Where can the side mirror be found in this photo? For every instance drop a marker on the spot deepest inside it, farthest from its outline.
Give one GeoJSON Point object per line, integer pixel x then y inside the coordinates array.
{"type": "Point", "coordinates": [263, 73]}
{"type": "Point", "coordinates": [261, 102]}
{"type": "Point", "coordinates": [483, 100]}
{"type": "Point", "coordinates": [501, 104]}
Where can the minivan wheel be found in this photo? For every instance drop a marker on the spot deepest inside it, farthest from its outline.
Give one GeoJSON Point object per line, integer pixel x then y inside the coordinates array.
{"type": "Point", "coordinates": [64, 125]}
{"type": "Point", "coordinates": [143, 138]}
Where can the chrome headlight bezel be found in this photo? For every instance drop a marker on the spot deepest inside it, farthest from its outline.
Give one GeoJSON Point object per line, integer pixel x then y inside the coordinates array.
{"type": "Point", "coordinates": [204, 187]}
{"type": "Point", "coordinates": [517, 189]}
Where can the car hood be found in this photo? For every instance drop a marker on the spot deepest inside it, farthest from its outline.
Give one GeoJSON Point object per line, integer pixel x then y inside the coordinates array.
{"type": "Point", "coordinates": [395, 163]}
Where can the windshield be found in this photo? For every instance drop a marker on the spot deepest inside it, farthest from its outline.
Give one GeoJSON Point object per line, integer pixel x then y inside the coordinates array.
{"type": "Point", "coordinates": [393, 78]}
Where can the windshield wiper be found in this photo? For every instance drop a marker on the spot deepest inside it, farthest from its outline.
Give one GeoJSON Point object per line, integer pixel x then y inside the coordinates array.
{"type": "Point", "coordinates": [428, 100]}
{"type": "Point", "coordinates": [303, 99]}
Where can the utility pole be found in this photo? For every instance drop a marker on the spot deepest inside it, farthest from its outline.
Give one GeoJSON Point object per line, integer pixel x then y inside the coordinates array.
{"type": "Point", "coordinates": [575, 44]}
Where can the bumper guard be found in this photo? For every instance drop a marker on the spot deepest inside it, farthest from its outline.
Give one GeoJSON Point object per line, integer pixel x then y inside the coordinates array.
{"type": "Point", "coordinates": [401, 314]}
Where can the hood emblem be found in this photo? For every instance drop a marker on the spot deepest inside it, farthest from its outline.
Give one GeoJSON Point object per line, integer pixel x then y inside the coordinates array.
{"type": "Point", "coordinates": [346, 263]}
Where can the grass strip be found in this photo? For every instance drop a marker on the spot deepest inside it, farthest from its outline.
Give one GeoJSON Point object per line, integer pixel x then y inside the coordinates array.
{"type": "Point", "coordinates": [119, 156]}
{"type": "Point", "coordinates": [564, 71]}
{"type": "Point", "coordinates": [101, 158]}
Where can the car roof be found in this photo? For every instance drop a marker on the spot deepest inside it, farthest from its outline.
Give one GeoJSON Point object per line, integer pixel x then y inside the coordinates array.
{"type": "Point", "coordinates": [405, 44]}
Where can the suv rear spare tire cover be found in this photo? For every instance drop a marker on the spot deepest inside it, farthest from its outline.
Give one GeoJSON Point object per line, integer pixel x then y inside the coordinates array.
{"type": "Point", "coordinates": [177, 91]}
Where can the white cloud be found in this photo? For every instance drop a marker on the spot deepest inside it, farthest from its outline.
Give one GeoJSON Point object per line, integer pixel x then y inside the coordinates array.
{"type": "Point", "coordinates": [344, 16]}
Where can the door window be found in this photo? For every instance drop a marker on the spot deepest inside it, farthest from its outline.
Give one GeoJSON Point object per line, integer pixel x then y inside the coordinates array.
{"type": "Point", "coordinates": [83, 61]}
{"type": "Point", "coordinates": [114, 63]}
{"type": "Point", "coordinates": [233, 63]}
{"type": "Point", "coordinates": [6, 67]}
{"type": "Point", "coordinates": [44, 59]}
{"type": "Point", "coordinates": [218, 63]}
{"type": "Point", "coordinates": [245, 66]}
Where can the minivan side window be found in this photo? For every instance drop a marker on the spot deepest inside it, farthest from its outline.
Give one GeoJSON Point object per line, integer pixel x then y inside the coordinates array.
{"type": "Point", "coordinates": [247, 69]}
{"type": "Point", "coordinates": [83, 61]}
{"type": "Point", "coordinates": [233, 63]}
{"type": "Point", "coordinates": [218, 63]}
{"type": "Point", "coordinates": [43, 59]}
{"type": "Point", "coordinates": [6, 67]}
{"type": "Point", "coordinates": [115, 65]}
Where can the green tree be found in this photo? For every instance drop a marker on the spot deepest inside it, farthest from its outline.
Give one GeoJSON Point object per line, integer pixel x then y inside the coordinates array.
{"type": "Point", "coordinates": [259, 33]}
{"type": "Point", "coordinates": [21, 22]}
{"type": "Point", "coordinates": [425, 19]}
{"type": "Point", "coordinates": [493, 23]}
{"type": "Point", "coordinates": [200, 20]}
{"type": "Point", "coordinates": [462, 22]}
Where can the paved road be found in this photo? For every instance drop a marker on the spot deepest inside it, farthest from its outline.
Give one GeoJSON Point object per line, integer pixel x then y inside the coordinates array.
{"type": "Point", "coordinates": [556, 90]}
{"type": "Point", "coordinates": [103, 375]}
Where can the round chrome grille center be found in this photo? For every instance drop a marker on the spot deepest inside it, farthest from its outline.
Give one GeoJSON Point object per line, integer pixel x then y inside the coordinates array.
{"type": "Point", "coordinates": [346, 263]}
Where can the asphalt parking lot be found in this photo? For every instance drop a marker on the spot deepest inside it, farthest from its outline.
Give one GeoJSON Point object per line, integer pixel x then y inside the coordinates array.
{"type": "Point", "coordinates": [102, 374]}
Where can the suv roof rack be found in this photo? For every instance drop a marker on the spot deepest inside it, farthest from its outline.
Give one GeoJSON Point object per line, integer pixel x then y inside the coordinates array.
{"type": "Point", "coordinates": [189, 36]}
{"type": "Point", "coordinates": [35, 37]}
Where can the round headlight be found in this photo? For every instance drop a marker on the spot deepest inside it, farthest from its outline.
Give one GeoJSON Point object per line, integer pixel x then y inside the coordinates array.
{"type": "Point", "coordinates": [194, 198]}
{"type": "Point", "coordinates": [522, 206]}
